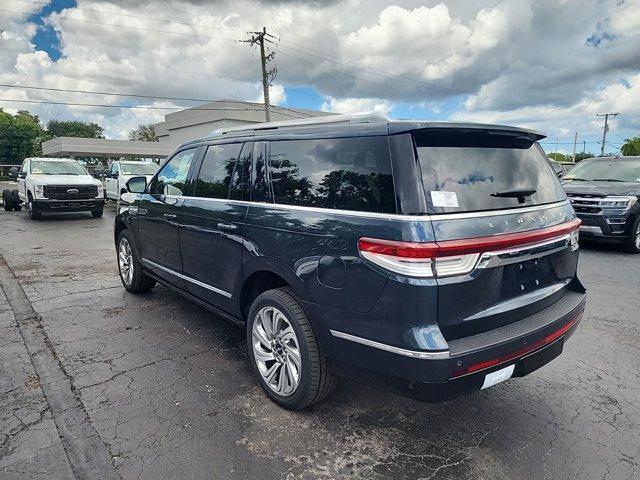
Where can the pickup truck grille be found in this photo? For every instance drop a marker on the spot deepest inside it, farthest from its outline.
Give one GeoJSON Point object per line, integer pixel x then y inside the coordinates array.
{"type": "Point", "coordinates": [70, 192]}
{"type": "Point", "coordinates": [585, 204]}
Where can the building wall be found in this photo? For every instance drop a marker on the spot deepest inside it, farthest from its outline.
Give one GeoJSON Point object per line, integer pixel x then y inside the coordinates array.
{"type": "Point", "coordinates": [177, 136]}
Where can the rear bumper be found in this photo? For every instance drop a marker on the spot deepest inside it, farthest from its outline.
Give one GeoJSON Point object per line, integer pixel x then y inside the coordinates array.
{"type": "Point", "coordinates": [69, 205]}
{"type": "Point", "coordinates": [437, 376]}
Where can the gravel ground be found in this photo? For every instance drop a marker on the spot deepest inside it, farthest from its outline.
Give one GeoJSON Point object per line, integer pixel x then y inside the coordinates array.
{"type": "Point", "coordinates": [98, 383]}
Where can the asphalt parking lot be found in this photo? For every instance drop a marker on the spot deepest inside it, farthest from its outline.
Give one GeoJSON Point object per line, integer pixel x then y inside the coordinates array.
{"type": "Point", "coordinates": [99, 383]}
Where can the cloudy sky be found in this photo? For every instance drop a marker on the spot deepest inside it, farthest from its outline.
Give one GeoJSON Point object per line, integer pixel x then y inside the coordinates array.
{"type": "Point", "coordinates": [548, 64]}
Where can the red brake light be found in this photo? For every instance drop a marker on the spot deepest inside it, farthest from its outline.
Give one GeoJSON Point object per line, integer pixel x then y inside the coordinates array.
{"type": "Point", "coordinates": [454, 257]}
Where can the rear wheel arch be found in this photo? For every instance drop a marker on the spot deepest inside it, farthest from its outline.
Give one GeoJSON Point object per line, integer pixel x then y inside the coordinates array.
{"type": "Point", "coordinates": [257, 283]}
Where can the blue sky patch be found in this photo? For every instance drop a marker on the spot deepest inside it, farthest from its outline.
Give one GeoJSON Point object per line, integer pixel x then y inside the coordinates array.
{"type": "Point", "coordinates": [45, 38]}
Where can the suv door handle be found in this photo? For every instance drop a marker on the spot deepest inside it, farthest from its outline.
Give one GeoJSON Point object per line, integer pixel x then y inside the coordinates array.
{"type": "Point", "coordinates": [169, 215]}
{"type": "Point", "coordinates": [227, 227]}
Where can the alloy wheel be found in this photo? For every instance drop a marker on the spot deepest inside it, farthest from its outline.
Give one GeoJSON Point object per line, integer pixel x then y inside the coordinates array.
{"type": "Point", "coordinates": [125, 261]}
{"type": "Point", "coordinates": [276, 351]}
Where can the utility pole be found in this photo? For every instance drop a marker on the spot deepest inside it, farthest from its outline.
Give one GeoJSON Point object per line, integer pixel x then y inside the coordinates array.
{"type": "Point", "coordinates": [575, 140]}
{"type": "Point", "coordinates": [268, 76]}
{"type": "Point", "coordinates": [606, 128]}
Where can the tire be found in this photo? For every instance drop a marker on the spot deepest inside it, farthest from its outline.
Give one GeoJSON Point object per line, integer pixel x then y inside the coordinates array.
{"type": "Point", "coordinates": [632, 242]}
{"type": "Point", "coordinates": [97, 213]}
{"type": "Point", "coordinates": [7, 200]}
{"type": "Point", "coordinates": [16, 200]}
{"type": "Point", "coordinates": [132, 278]}
{"type": "Point", "coordinates": [34, 213]}
{"type": "Point", "coordinates": [274, 355]}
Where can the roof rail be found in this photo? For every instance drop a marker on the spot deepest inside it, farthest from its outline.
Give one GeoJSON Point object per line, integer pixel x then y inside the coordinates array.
{"type": "Point", "coordinates": [329, 119]}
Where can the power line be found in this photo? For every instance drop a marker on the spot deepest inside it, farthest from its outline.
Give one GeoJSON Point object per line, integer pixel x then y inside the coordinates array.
{"type": "Point", "coordinates": [157, 97]}
{"type": "Point", "coordinates": [326, 57]}
{"type": "Point", "coordinates": [257, 107]}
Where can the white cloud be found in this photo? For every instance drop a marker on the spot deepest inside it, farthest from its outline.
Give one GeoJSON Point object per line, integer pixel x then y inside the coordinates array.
{"type": "Point", "coordinates": [513, 61]}
{"type": "Point", "coordinates": [277, 94]}
{"type": "Point", "coordinates": [356, 105]}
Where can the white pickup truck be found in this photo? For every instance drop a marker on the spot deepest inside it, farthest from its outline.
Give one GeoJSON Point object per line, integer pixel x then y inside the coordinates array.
{"type": "Point", "coordinates": [56, 185]}
{"type": "Point", "coordinates": [115, 182]}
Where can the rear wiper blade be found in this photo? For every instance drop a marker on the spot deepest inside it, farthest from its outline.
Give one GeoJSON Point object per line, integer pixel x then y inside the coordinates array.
{"type": "Point", "coordinates": [607, 180]}
{"type": "Point", "coordinates": [520, 194]}
{"type": "Point", "coordinates": [516, 193]}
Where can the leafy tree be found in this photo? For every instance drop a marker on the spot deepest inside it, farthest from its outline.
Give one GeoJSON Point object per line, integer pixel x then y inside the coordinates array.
{"type": "Point", "coordinates": [631, 146]}
{"type": "Point", "coordinates": [144, 132]}
{"type": "Point", "coordinates": [558, 157]}
{"type": "Point", "coordinates": [18, 137]}
{"type": "Point", "coordinates": [74, 128]}
{"type": "Point", "coordinates": [583, 156]}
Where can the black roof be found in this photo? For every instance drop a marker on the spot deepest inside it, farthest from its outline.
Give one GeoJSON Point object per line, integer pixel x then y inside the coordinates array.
{"type": "Point", "coordinates": [346, 125]}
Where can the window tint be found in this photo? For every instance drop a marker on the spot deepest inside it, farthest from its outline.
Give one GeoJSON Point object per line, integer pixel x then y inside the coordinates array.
{"type": "Point", "coordinates": [173, 176]}
{"type": "Point", "coordinates": [260, 191]}
{"type": "Point", "coordinates": [239, 188]}
{"type": "Point", "coordinates": [340, 173]}
{"type": "Point", "coordinates": [217, 169]}
{"type": "Point", "coordinates": [464, 171]}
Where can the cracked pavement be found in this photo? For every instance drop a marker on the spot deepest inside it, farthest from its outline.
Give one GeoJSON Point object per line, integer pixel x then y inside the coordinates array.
{"type": "Point", "coordinates": [168, 391]}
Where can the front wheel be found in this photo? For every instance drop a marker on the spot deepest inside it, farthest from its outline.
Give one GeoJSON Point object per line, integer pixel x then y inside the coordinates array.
{"type": "Point", "coordinates": [97, 213]}
{"type": "Point", "coordinates": [130, 268]}
{"type": "Point", "coordinates": [632, 243]}
{"type": "Point", "coordinates": [34, 213]}
{"type": "Point", "coordinates": [285, 354]}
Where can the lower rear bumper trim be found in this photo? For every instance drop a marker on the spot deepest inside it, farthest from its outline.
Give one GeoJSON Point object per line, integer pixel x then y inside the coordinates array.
{"type": "Point", "coordinates": [436, 355]}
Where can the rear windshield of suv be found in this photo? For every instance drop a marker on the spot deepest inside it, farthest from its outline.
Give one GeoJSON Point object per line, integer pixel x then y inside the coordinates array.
{"type": "Point", "coordinates": [467, 171]}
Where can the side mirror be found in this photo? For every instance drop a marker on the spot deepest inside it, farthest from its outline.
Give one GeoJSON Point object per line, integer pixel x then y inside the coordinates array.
{"type": "Point", "coordinates": [13, 172]}
{"type": "Point", "coordinates": [137, 185]}
{"type": "Point", "coordinates": [22, 175]}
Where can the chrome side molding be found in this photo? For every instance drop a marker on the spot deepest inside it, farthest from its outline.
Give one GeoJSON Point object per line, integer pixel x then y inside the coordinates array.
{"type": "Point", "coordinates": [188, 279]}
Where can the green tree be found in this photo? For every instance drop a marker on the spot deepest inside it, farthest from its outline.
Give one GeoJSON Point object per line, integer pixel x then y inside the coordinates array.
{"type": "Point", "coordinates": [631, 146]}
{"type": "Point", "coordinates": [74, 128]}
{"type": "Point", "coordinates": [583, 156]}
{"type": "Point", "coordinates": [18, 137]}
{"type": "Point", "coordinates": [144, 132]}
{"type": "Point", "coordinates": [558, 157]}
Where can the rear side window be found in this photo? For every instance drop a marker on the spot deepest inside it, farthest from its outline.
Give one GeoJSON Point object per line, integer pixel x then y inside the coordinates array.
{"type": "Point", "coordinates": [216, 172]}
{"type": "Point", "coordinates": [338, 173]}
{"type": "Point", "coordinates": [466, 171]}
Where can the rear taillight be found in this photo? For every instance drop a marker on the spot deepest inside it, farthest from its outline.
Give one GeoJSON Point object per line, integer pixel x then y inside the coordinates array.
{"type": "Point", "coordinates": [453, 257]}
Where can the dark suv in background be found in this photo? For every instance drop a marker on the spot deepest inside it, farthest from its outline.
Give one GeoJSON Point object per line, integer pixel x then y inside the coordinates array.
{"type": "Point", "coordinates": [604, 193]}
{"type": "Point", "coordinates": [440, 256]}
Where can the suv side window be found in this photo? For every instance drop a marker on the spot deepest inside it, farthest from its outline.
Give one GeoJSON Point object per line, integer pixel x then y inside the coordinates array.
{"type": "Point", "coordinates": [114, 168]}
{"type": "Point", "coordinates": [172, 177]}
{"type": "Point", "coordinates": [240, 185]}
{"type": "Point", "coordinates": [217, 170]}
{"type": "Point", "coordinates": [338, 173]}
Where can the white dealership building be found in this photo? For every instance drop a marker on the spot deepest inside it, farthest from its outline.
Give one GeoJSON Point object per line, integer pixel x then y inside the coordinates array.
{"type": "Point", "coordinates": [177, 128]}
